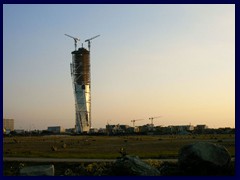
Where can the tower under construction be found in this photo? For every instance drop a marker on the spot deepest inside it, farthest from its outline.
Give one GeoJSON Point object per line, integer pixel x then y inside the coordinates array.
{"type": "Point", "coordinates": [80, 72]}
{"type": "Point", "coordinates": [81, 80]}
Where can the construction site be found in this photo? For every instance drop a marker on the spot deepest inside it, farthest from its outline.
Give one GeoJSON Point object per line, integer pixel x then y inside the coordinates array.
{"type": "Point", "coordinates": [145, 150]}
{"type": "Point", "coordinates": [81, 80]}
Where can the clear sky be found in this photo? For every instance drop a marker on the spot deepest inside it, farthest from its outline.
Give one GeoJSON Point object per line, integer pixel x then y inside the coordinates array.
{"type": "Point", "coordinates": [174, 61]}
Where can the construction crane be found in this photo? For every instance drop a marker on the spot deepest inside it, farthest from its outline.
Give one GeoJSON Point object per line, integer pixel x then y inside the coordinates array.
{"type": "Point", "coordinates": [89, 41]}
{"type": "Point", "coordinates": [75, 40]}
{"type": "Point", "coordinates": [133, 121]}
{"type": "Point", "coordinates": [151, 118]}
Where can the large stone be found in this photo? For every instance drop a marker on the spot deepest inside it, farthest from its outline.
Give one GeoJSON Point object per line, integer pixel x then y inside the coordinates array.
{"type": "Point", "coordinates": [43, 170]}
{"type": "Point", "coordinates": [204, 158]}
{"type": "Point", "coordinates": [133, 166]}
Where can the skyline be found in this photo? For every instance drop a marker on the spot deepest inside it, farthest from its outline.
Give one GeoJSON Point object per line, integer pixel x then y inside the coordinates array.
{"type": "Point", "coordinates": [174, 61]}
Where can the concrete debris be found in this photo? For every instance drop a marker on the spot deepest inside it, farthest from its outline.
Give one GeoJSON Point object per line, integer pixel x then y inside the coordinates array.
{"type": "Point", "coordinates": [43, 170]}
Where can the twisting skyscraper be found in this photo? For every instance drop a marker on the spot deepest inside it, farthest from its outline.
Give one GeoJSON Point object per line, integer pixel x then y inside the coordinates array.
{"type": "Point", "coordinates": [81, 79]}
{"type": "Point", "coordinates": [80, 72]}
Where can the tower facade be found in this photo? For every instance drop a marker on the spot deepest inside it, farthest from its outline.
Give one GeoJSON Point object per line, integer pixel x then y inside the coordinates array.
{"type": "Point", "coordinates": [81, 80]}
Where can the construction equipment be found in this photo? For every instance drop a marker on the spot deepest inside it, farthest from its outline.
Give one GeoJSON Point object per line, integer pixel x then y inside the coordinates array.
{"type": "Point", "coordinates": [89, 41]}
{"type": "Point", "coordinates": [75, 40]}
{"type": "Point", "coordinates": [133, 121]}
{"type": "Point", "coordinates": [151, 118]}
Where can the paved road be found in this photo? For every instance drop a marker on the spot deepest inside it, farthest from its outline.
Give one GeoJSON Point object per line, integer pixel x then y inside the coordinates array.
{"type": "Point", "coordinates": [23, 159]}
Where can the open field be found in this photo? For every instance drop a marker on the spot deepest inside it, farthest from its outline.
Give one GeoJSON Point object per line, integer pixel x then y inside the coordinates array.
{"type": "Point", "coordinates": [107, 147]}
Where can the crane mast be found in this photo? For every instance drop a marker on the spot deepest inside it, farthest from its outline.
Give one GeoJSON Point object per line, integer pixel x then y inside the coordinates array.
{"type": "Point", "coordinates": [89, 41]}
{"type": "Point", "coordinates": [75, 40]}
{"type": "Point", "coordinates": [133, 121]}
{"type": "Point", "coordinates": [151, 118]}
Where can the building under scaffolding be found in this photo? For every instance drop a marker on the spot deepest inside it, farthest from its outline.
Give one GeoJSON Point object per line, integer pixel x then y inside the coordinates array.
{"type": "Point", "coordinates": [80, 72]}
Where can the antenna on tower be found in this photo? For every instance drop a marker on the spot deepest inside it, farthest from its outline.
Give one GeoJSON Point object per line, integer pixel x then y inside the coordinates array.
{"type": "Point", "coordinates": [89, 41]}
{"type": "Point", "coordinates": [75, 40]}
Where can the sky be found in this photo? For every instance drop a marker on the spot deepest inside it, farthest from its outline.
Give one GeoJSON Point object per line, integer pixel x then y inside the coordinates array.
{"type": "Point", "coordinates": [173, 61]}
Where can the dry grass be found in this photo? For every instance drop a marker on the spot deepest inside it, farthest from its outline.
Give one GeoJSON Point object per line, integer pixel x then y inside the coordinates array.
{"type": "Point", "coordinates": [107, 147]}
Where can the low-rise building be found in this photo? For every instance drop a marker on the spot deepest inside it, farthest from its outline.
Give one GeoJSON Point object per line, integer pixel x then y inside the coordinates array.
{"type": "Point", "coordinates": [181, 128]}
{"type": "Point", "coordinates": [102, 131]}
{"type": "Point", "coordinates": [56, 129]}
{"type": "Point", "coordinates": [19, 131]}
{"type": "Point", "coordinates": [200, 128]}
{"type": "Point", "coordinates": [146, 128]}
{"type": "Point", "coordinates": [70, 130]}
{"type": "Point", "coordinates": [93, 131]}
{"type": "Point", "coordinates": [117, 129]}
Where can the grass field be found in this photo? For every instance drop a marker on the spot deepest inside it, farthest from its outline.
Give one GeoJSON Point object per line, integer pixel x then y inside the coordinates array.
{"type": "Point", "coordinates": [107, 147]}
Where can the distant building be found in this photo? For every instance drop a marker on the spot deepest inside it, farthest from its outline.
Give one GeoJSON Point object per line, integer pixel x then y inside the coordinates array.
{"type": "Point", "coordinates": [136, 129]}
{"type": "Point", "coordinates": [56, 129]}
{"type": "Point", "coordinates": [109, 129]}
{"type": "Point", "coordinates": [163, 130]}
{"type": "Point", "coordinates": [93, 130]}
{"type": "Point", "coordinates": [185, 128]}
{"type": "Point", "coordinates": [200, 128]}
{"type": "Point", "coordinates": [124, 128]}
{"type": "Point", "coordinates": [70, 130]}
{"type": "Point", "coordinates": [117, 129]}
{"type": "Point", "coordinates": [8, 124]}
{"type": "Point", "coordinates": [181, 128]}
{"type": "Point", "coordinates": [130, 130]}
{"type": "Point", "coordinates": [102, 131]}
{"type": "Point", "coordinates": [19, 131]}
{"type": "Point", "coordinates": [146, 128]}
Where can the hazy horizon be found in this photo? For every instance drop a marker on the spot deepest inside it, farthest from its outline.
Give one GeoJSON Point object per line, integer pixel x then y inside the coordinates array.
{"type": "Point", "coordinates": [174, 61]}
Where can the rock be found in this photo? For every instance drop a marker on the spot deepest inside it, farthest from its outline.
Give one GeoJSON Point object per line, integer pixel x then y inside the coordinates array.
{"type": "Point", "coordinates": [64, 146]}
{"type": "Point", "coordinates": [68, 172]}
{"type": "Point", "coordinates": [54, 148]}
{"type": "Point", "coordinates": [170, 169]}
{"type": "Point", "coordinates": [43, 170]}
{"type": "Point", "coordinates": [204, 158]}
{"type": "Point", "coordinates": [16, 141]}
{"type": "Point", "coordinates": [133, 166]}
